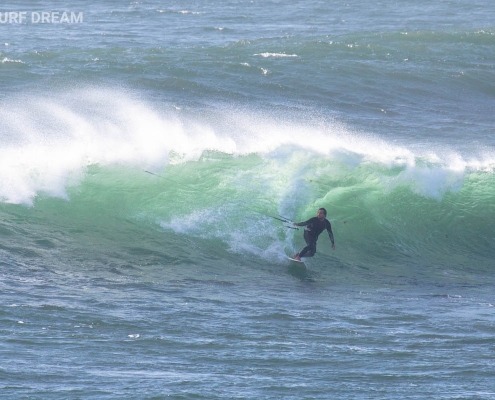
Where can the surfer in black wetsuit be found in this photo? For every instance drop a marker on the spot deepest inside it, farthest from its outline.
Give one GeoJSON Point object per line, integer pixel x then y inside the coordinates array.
{"type": "Point", "coordinates": [314, 226]}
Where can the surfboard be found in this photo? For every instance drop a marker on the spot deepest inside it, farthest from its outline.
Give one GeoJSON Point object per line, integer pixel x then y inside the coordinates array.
{"type": "Point", "coordinates": [296, 262]}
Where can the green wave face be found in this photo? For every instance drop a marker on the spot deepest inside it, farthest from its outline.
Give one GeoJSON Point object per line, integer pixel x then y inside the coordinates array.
{"type": "Point", "coordinates": [171, 188]}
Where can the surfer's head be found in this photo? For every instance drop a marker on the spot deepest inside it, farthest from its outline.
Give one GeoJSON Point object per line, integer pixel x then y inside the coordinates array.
{"type": "Point", "coordinates": [322, 213]}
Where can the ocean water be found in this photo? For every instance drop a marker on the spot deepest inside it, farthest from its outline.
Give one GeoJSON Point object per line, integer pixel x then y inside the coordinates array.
{"type": "Point", "coordinates": [146, 149]}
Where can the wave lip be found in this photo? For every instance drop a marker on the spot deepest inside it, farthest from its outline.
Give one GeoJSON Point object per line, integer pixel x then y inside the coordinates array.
{"type": "Point", "coordinates": [48, 142]}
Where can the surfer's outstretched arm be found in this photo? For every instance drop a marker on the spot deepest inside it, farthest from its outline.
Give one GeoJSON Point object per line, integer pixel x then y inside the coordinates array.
{"type": "Point", "coordinates": [330, 234]}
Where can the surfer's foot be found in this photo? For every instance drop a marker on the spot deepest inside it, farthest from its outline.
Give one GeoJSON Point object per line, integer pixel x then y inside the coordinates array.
{"type": "Point", "coordinates": [296, 257]}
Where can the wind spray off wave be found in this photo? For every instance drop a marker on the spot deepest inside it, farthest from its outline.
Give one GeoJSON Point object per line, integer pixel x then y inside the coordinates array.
{"type": "Point", "coordinates": [47, 142]}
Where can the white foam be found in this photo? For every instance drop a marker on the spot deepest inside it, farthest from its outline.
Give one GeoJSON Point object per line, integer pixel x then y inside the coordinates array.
{"type": "Point", "coordinates": [248, 236]}
{"type": "Point", "coordinates": [276, 55]}
{"type": "Point", "coordinates": [8, 60]}
{"type": "Point", "coordinates": [46, 142]}
{"type": "Point", "coordinates": [190, 12]}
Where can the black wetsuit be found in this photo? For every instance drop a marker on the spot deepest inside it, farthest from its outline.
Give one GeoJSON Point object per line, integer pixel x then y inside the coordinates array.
{"type": "Point", "coordinates": [313, 229]}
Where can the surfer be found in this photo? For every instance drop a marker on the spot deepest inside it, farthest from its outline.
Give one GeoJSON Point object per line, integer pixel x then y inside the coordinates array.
{"type": "Point", "coordinates": [314, 226]}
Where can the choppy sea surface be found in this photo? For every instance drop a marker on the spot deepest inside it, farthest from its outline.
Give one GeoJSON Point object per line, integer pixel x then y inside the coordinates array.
{"type": "Point", "coordinates": [146, 149]}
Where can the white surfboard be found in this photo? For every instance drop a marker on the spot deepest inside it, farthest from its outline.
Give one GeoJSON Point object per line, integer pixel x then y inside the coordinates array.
{"type": "Point", "coordinates": [293, 261]}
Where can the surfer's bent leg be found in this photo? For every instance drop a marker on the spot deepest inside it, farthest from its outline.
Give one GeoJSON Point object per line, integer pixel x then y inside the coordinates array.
{"type": "Point", "coordinates": [310, 249]}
